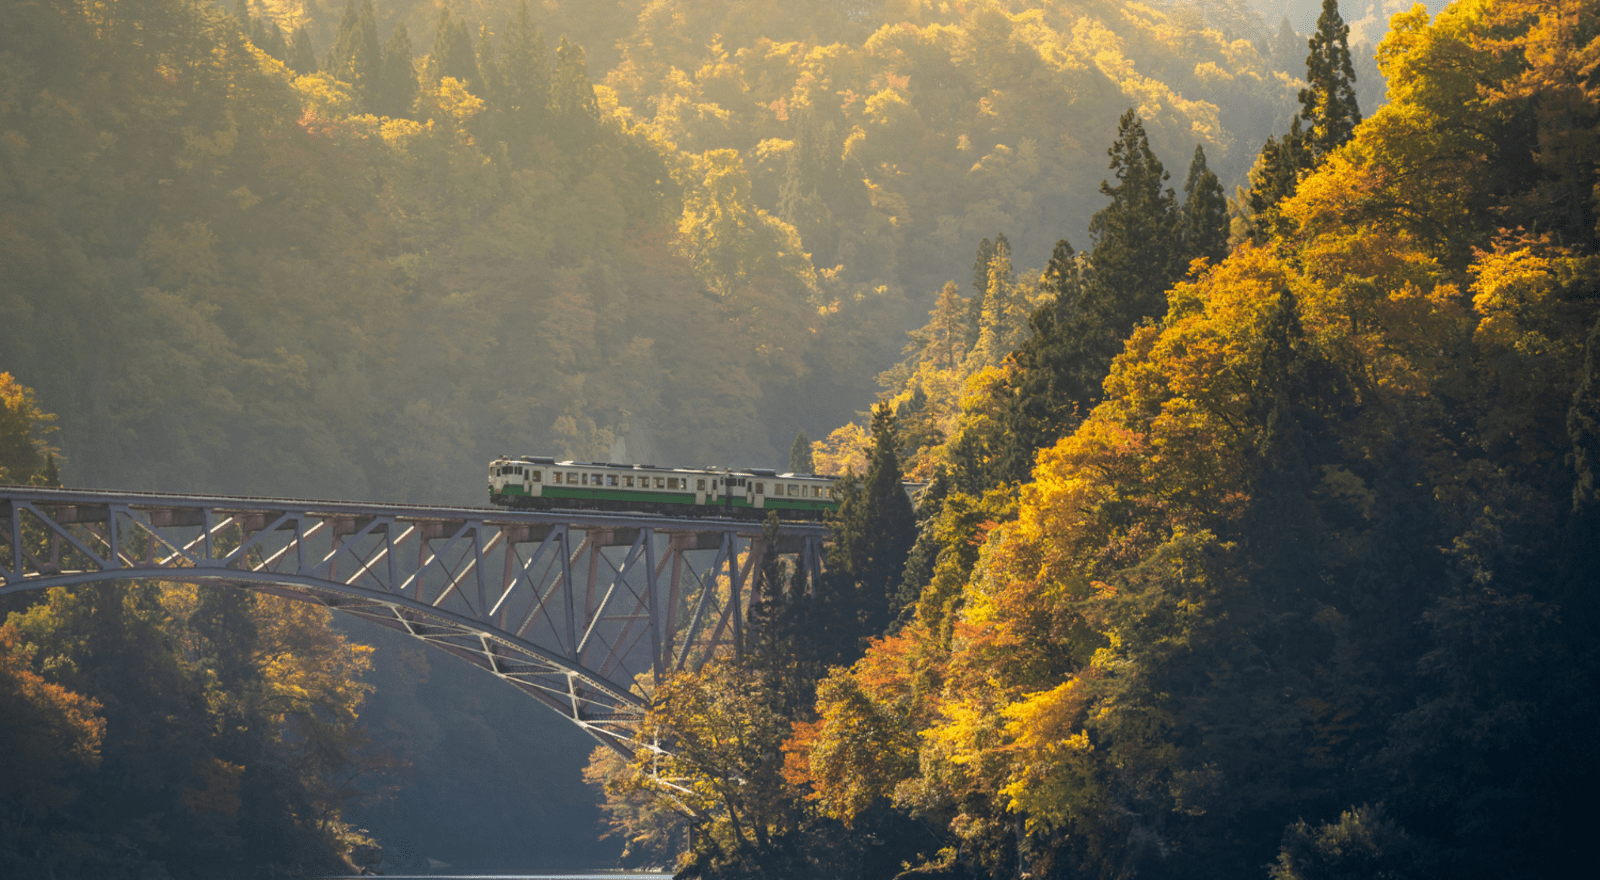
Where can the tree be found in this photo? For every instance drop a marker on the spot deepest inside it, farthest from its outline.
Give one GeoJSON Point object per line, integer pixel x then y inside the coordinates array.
{"type": "Point", "coordinates": [572, 101]}
{"type": "Point", "coordinates": [874, 531]}
{"type": "Point", "coordinates": [819, 191]}
{"type": "Point", "coordinates": [980, 286]}
{"type": "Point", "coordinates": [800, 455]}
{"type": "Point", "coordinates": [1138, 237]}
{"type": "Point", "coordinates": [24, 456]}
{"type": "Point", "coordinates": [1205, 212]}
{"type": "Point", "coordinates": [46, 732]}
{"type": "Point", "coordinates": [1003, 317]}
{"type": "Point", "coordinates": [944, 339]}
{"type": "Point", "coordinates": [1274, 178]}
{"type": "Point", "coordinates": [396, 91]}
{"type": "Point", "coordinates": [302, 52]}
{"type": "Point", "coordinates": [525, 72]}
{"type": "Point", "coordinates": [453, 54]}
{"type": "Point", "coordinates": [1328, 102]}
{"type": "Point", "coordinates": [356, 57]}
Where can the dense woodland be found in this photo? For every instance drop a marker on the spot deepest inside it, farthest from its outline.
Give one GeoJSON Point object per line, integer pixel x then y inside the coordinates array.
{"type": "Point", "coordinates": [1253, 546]}
{"type": "Point", "coordinates": [1260, 529]}
{"type": "Point", "coordinates": [358, 249]}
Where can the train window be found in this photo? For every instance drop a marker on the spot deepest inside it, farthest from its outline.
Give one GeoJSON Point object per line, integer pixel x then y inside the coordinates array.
{"type": "Point", "coordinates": [611, 479]}
{"type": "Point", "coordinates": [761, 488]}
{"type": "Point", "coordinates": [672, 482]}
{"type": "Point", "coordinates": [699, 485]}
{"type": "Point", "coordinates": [627, 482]}
{"type": "Point", "coordinates": [594, 479]}
{"type": "Point", "coordinates": [816, 491]}
{"type": "Point", "coordinates": [538, 476]}
{"type": "Point", "coordinates": [793, 490]}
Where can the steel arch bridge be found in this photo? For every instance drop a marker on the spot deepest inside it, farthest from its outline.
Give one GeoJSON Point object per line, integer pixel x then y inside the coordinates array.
{"type": "Point", "coordinates": [585, 612]}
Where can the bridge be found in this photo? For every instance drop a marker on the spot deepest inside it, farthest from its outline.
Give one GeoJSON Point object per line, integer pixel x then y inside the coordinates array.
{"type": "Point", "coordinates": [585, 612]}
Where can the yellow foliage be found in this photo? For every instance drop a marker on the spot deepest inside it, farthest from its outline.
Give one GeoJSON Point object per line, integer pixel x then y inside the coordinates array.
{"type": "Point", "coordinates": [844, 450]}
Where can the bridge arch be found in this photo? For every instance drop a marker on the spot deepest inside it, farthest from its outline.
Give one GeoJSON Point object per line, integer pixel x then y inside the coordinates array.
{"type": "Point", "coordinates": [585, 612]}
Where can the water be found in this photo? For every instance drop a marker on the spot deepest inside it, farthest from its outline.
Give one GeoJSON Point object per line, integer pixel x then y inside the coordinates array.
{"type": "Point", "coordinates": [600, 875]}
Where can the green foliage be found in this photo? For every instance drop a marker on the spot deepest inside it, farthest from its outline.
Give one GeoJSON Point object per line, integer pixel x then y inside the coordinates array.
{"type": "Point", "coordinates": [872, 535]}
{"type": "Point", "coordinates": [1328, 102]}
{"type": "Point", "coordinates": [1205, 212]}
{"type": "Point", "coordinates": [395, 91]}
{"type": "Point", "coordinates": [357, 57]}
{"type": "Point", "coordinates": [453, 54]}
{"type": "Point", "coordinates": [800, 455]}
{"type": "Point", "coordinates": [1137, 251]}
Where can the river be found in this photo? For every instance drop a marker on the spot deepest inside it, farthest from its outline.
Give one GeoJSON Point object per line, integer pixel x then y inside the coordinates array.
{"type": "Point", "coordinates": [598, 875]}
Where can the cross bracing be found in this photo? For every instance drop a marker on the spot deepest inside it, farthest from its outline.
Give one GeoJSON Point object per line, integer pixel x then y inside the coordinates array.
{"type": "Point", "coordinates": [585, 612]}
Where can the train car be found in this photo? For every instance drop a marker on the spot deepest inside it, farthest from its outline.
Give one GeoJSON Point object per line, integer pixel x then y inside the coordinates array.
{"type": "Point", "coordinates": [543, 483]}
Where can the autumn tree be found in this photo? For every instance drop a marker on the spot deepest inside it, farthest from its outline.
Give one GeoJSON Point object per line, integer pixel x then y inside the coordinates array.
{"type": "Point", "coordinates": [24, 455]}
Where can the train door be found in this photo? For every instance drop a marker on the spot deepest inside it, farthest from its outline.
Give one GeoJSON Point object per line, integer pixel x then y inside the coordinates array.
{"type": "Point", "coordinates": [700, 490]}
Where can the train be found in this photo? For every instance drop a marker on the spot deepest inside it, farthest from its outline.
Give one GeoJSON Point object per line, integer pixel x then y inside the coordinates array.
{"type": "Point", "coordinates": [535, 482]}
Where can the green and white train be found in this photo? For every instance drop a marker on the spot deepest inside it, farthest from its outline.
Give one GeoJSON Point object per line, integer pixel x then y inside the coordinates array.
{"type": "Point", "coordinates": [542, 483]}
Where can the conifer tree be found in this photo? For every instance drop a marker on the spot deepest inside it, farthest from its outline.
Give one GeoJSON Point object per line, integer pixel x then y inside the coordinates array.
{"type": "Point", "coordinates": [1285, 47]}
{"type": "Point", "coordinates": [1060, 369]}
{"type": "Point", "coordinates": [488, 67]}
{"type": "Point", "coordinates": [980, 286]}
{"type": "Point", "coordinates": [1274, 178]}
{"type": "Point", "coordinates": [1328, 102]}
{"type": "Point", "coordinates": [268, 37]}
{"type": "Point", "coordinates": [873, 534]}
{"type": "Point", "coordinates": [1003, 313]}
{"type": "Point", "coordinates": [1138, 237]}
{"type": "Point", "coordinates": [800, 461]}
{"type": "Point", "coordinates": [525, 72]}
{"type": "Point", "coordinates": [1205, 212]}
{"type": "Point", "coordinates": [397, 82]}
{"type": "Point", "coordinates": [576, 112]}
{"type": "Point", "coordinates": [453, 54]}
{"type": "Point", "coordinates": [944, 340]}
{"type": "Point", "coordinates": [302, 53]}
{"type": "Point", "coordinates": [356, 57]}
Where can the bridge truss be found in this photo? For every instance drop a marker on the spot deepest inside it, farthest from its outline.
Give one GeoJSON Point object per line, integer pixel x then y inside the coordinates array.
{"type": "Point", "coordinates": [585, 612]}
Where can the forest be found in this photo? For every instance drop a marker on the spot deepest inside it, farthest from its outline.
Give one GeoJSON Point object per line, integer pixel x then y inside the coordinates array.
{"type": "Point", "coordinates": [1260, 524]}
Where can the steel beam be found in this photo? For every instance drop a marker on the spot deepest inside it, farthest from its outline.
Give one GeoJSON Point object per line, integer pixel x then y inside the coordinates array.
{"type": "Point", "coordinates": [559, 622]}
